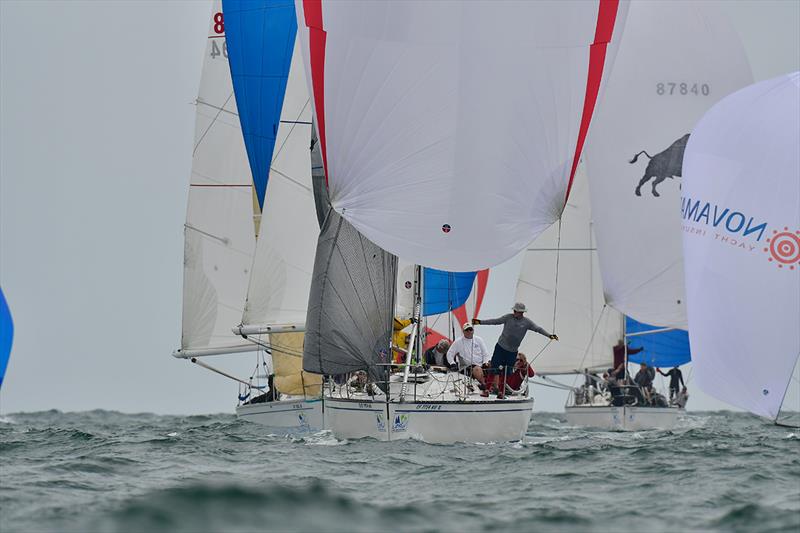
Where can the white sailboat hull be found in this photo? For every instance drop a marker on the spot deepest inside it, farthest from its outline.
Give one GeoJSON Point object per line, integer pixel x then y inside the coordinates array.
{"type": "Point", "coordinates": [624, 418]}
{"type": "Point", "coordinates": [286, 415]}
{"type": "Point", "coordinates": [434, 422]}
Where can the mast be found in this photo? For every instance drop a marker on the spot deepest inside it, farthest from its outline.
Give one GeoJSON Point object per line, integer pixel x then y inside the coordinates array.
{"type": "Point", "coordinates": [412, 343]}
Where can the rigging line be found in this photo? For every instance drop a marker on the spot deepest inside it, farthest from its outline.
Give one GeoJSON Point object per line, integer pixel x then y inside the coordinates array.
{"type": "Point", "coordinates": [212, 106]}
{"type": "Point", "coordinates": [304, 187]}
{"type": "Point", "coordinates": [557, 386]}
{"type": "Point", "coordinates": [223, 240]}
{"type": "Point", "coordinates": [541, 351]}
{"type": "Point", "coordinates": [291, 130]}
{"type": "Point", "coordinates": [561, 249]}
{"type": "Point", "coordinates": [558, 259]}
{"type": "Point", "coordinates": [213, 121]}
{"type": "Point", "coordinates": [591, 339]}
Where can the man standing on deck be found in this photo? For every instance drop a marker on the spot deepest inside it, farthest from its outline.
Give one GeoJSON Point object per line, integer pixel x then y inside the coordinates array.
{"type": "Point", "coordinates": [515, 326]}
{"type": "Point", "coordinates": [675, 379]}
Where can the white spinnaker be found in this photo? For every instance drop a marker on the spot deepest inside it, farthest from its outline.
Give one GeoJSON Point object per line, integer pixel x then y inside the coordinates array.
{"type": "Point", "coordinates": [284, 259]}
{"type": "Point", "coordinates": [743, 284]}
{"type": "Point", "coordinates": [674, 62]}
{"type": "Point", "coordinates": [450, 128]}
{"type": "Point", "coordinates": [561, 285]}
{"type": "Point", "coordinates": [219, 232]}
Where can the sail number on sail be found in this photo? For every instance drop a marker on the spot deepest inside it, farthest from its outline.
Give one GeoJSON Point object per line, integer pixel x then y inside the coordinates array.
{"type": "Point", "coordinates": [219, 33]}
{"type": "Point", "coordinates": [672, 87]}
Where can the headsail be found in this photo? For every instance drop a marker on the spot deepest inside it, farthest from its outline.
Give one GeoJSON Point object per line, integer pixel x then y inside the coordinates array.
{"type": "Point", "coordinates": [281, 274]}
{"type": "Point", "coordinates": [219, 232]}
{"type": "Point", "coordinates": [451, 130]}
{"type": "Point", "coordinates": [741, 217]}
{"type": "Point", "coordinates": [560, 283]}
{"type": "Point", "coordinates": [675, 61]}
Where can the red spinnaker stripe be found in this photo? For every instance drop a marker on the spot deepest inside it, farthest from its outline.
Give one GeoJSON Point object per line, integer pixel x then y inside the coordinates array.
{"type": "Point", "coordinates": [312, 9]}
{"type": "Point", "coordinates": [606, 16]}
{"type": "Point", "coordinates": [483, 279]}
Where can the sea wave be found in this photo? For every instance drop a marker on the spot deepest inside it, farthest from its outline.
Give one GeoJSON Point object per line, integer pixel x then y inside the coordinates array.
{"type": "Point", "coordinates": [108, 471]}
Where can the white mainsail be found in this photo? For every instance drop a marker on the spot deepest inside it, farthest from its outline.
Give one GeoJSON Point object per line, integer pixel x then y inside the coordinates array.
{"type": "Point", "coordinates": [451, 130]}
{"type": "Point", "coordinates": [741, 217]}
{"type": "Point", "coordinates": [219, 231]}
{"type": "Point", "coordinates": [561, 285]}
{"type": "Point", "coordinates": [284, 258]}
{"type": "Point", "coordinates": [675, 61]}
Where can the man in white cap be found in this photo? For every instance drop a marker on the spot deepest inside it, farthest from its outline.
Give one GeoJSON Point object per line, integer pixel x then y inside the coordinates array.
{"type": "Point", "coordinates": [469, 352]}
{"type": "Point", "coordinates": [515, 326]}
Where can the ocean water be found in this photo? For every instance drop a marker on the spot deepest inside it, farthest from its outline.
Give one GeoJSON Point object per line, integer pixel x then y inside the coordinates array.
{"type": "Point", "coordinates": [107, 471]}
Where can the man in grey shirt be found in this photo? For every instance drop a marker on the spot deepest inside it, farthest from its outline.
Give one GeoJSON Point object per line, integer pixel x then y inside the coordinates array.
{"type": "Point", "coordinates": [515, 326]}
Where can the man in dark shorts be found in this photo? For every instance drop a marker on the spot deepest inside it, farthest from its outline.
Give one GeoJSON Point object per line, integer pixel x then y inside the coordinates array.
{"type": "Point", "coordinates": [515, 326]}
{"type": "Point", "coordinates": [675, 381]}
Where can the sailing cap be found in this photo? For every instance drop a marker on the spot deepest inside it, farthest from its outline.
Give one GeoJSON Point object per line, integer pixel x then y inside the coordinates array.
{"type": "Point", "coordinates": [468, 325]}
{"type": "Point", "coordinates": [519, 306]}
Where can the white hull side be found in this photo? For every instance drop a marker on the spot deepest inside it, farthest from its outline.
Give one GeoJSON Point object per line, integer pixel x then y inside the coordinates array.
{"type": "Point", "coordinates": [286, 415]}
{"type": "Point", "coordinates": [429, 421]}
{"type": "Point", "coordinates": [625, 418]}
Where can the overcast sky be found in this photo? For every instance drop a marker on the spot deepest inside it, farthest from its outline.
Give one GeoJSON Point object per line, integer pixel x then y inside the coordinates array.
{"type": "Point", "coordinates": [96, 138]}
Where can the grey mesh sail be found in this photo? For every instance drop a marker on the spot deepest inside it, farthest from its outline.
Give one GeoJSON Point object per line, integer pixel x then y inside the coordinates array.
{"type": "Point", "coordinates": [349, 321]}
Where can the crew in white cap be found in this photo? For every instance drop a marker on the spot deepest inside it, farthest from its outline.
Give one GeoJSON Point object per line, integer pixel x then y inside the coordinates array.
{"type": "Point", "coordinates": [515, 326]}
{"type": "Point", "coordinates": [470, 353]}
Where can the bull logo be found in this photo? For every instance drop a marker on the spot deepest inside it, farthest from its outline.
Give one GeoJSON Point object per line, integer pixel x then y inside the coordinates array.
{"type": "Point", "coordinates": [663, 165]}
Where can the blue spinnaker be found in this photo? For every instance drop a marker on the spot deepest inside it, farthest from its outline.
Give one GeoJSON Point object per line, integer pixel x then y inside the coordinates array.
{"type": "Point", "coordinates": [6, 335]}
{"type": "Point", "coordinates": [260, 37]}
{"type": "Point", "coordinates": [664, 349]}
{"type": "Point", "coordinates": [444, 291]}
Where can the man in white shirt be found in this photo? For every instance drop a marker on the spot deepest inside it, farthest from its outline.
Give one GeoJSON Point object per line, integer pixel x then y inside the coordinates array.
{"type": "Point", "coordinates": [470, 353]}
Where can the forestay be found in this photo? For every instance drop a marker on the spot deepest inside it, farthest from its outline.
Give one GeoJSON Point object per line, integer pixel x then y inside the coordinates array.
{"type": "Point", "coordinates": [219, 231]}
{"type": "Point", "coordinates": [560, 283]}
{"type": "Point", "coordinates": [675, 61]}
{"type": "Point", "coordinates": [451, 130]}
{"type": "Point", "coordinates": [741, 216]}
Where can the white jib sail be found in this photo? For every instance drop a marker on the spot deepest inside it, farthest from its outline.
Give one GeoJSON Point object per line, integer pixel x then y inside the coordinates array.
{"type": "Point", "coordinates": [674, 62]}
{"type": "Point", "coordinates": [741, 236]}
{"type": "Point", "coordinates": [219, 231]}
{"type": "Point", "coordinates": [561, 285]}
{"type": "Point", "coordinates": [449, 129]}
{"type": "Point", "coordinates": [284, 260]}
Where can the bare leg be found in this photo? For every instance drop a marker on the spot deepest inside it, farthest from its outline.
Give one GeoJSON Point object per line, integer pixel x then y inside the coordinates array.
{"type": "Point", "coordinates": [477, 373]}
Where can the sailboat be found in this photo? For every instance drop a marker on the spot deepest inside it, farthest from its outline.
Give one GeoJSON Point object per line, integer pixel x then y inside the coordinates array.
{"type": "Point", "coordinates": [741, 222]}
{"type": "Point", "coordinates": [437, 148]}
{"type": "Point", "coordinates": [561, 280]}
{"type": "Point", "coordinates": [251, 178]}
